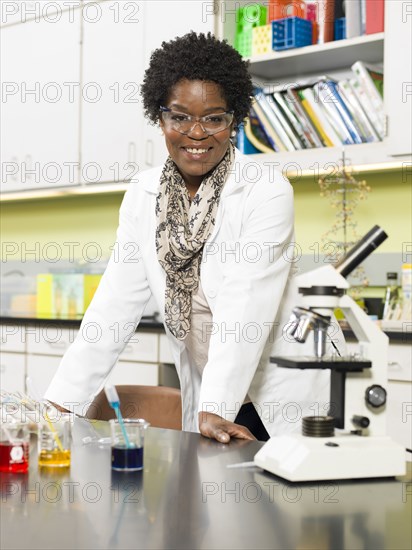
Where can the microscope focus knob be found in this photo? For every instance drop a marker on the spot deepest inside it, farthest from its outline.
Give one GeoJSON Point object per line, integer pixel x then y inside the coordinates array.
{"type": "Point", "coordinates": [375, 395]}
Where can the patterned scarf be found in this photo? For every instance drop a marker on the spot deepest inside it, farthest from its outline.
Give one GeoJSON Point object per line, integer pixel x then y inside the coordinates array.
{"type": "Point", "coordinates": [183, 227]}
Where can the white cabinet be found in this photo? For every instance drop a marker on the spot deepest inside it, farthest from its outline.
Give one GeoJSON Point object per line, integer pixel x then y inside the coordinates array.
{"type": "Point", "coordinates": [398, 78]}
{"type": "Point", "coordinates": [399, 392]}
{"type": "Point", "coordinates": [399, 420]}
{"type": "Point", "coordinates": [13, 338]}
{"type": "Point", "coordinates": [165, 351]}
{"type": "Point", "coordinates": [40, 62]}
{"type": "Point", "coordinates": [399, 412]}
{"type": "Point", "coordinates": [111, 117]}
{"type": "Point", "coordinates": [49, 339]}
{"type": "Point", "coordinates": [163, 20]}
{"type": "Point", "coordinates": [116, 140]}
{"type": "Point", "coordinates": [41, 369]}
{"type": "Point", "coordinates": [144, 374]}
{"type": "Point", "coordinates": [12, 358]}
{"type": "Point", "coordinates": [12, 372]}
{"type": "Point", "coordinates": [143, 346]}
{"type": "Point", "coordinates": [393, 47]}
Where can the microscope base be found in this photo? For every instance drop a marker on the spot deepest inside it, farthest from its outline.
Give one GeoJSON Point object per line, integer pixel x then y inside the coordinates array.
{"type": "Point", "coordinates": [300, 458]}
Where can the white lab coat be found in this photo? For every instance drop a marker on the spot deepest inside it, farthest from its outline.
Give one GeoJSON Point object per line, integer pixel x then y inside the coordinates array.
{"type": "Point", "coordinates": [247, 277]}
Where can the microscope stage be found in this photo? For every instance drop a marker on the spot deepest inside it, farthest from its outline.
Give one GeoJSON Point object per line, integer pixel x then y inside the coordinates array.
{"type": "Point", "coordinates": [348, 364]}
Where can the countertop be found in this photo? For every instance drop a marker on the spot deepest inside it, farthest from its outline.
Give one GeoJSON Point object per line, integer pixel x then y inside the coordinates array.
{"type": "Point", "coordinates": [146, 323]}
{"type": "Point", "coordinates": [152, 323]}
{"type": "Point", "coordinates": [187, 498]}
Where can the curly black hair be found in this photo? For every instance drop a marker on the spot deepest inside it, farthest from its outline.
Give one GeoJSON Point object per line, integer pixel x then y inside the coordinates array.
{"type": "Point", "coordinates": [197, 57]}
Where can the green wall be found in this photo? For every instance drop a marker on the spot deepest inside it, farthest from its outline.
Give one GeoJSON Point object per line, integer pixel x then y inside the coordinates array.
{"type": "Point", "coordinates": [88, 219]}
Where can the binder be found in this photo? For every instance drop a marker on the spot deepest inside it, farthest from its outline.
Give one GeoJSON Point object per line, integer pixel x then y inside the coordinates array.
{"type": "Point", "coordinates": [375, 14]}
{"type": "Point", "coordinates": [370, 78]}
{"type": "Point", "coordinates": [271, 134]}
{"type": "Point", "coordinates": [256, 134]}
{"type": "Point", "coordinates": [272, 113]}
{"type": "Point", "coordinates": [328, 134]}
{"type": "Point", "coordinates": [293, 118]}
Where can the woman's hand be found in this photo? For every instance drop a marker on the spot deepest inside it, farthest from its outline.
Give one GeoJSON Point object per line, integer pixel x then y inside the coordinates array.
{"type": "Point", "coordinates": [216, 427]}
{"type": "Point", "coordinates": [59, 408]}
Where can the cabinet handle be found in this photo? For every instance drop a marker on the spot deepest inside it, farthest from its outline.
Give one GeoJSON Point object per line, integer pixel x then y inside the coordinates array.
{"type": "Point", "coordinates": [149, 152]}
{"type": "Point", "coordinates": [58, 345]}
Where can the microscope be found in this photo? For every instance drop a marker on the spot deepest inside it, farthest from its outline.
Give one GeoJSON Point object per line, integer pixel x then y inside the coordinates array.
{"type": "Point", "coordinates": [350, 441]}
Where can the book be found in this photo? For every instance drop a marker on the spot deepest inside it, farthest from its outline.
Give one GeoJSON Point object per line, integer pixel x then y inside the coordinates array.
{"type": "Point", "coordinates": [271, 134]}
{"type": "Point", "coordinates": [353, 18]}
{"type": "Point", "coordinates": [331, 138]}
{"type": "Point", "coordinates": [284, 122]}
{"type": "Point", "coordinates": [314, 119]}
{"type": "Point", "coordinates": [273, 119]}
{"type": "Point", "coordinates": [256, 134]}
{"type": "Point", "coordinates": [370, 77]}
{"type": "Point", "coordinates": [348, 95]}
{"type": "Point", "coordinates": [292, 118]}
{"type": "Point", "coordinates": [243, 143]}
{"type": "Point", "coordinates": [375, 16]}
{"type": "Point", "coordinates": [327, 102]}
{"type": "Point", "coordinates": [331, 94]}
{"type": "Point", "coordinates": [304, 120]}
{"type": "Point", "coordinates": [365, 101]}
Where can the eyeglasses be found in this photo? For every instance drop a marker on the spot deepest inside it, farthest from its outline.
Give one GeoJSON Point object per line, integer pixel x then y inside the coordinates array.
{"type": "Point", "coordinates": [184, 123]}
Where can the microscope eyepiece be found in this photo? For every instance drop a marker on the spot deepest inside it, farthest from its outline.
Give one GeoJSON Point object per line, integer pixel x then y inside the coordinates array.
{"type": "Point", "coordinates": [361, 250]}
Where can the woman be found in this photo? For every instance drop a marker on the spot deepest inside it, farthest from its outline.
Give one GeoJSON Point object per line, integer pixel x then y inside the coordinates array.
{"type": "Point", "coordinates": [211, 232]}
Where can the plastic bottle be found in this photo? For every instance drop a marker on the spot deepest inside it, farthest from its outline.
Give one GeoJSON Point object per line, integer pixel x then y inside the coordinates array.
{"type": "Point", "coordinates": [391, 295]}
{"type": "Point", "coordinates": [407, 292]}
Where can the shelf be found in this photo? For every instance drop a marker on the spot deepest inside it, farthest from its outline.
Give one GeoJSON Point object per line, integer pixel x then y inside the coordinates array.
{"type": "Point", "coordinates": [295, 164]}
{"type": "Point", "coordinates": [64, 192]}
{"type": "Point", "coordinates": [319, 58]}
{"type": "Point", "coordinates": [325, 160]}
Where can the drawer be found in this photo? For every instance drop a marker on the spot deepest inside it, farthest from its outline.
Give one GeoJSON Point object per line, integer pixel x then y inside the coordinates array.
{"type": "Point", "coordinates": [49, 339]}
{"type": "Point", "coordinates": [400, 362]}
{"type": "Point", "coordinates": [141, 347]}
{"type": "Point", "coordinates": [165, 351]}
{"type": "Point", "coordinates": [134, 374]}
{"type": "Point", "coordinates": [13, 338]}
{"type": "Point", "coordinates": [12, 372]}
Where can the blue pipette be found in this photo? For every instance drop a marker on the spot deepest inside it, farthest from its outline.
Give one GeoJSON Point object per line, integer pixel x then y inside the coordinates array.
{"type": "Point", "coordinates": [114, 402]}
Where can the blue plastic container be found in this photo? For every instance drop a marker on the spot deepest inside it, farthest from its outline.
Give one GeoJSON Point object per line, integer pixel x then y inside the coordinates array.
{"type": "Point", "coordinates": [291, 32]}
{"type": "Point", "coordinates": [340, 28]}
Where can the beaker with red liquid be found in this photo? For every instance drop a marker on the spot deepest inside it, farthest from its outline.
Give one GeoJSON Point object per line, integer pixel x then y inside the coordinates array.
{"type": "Point", "coordinates": [14, 447]}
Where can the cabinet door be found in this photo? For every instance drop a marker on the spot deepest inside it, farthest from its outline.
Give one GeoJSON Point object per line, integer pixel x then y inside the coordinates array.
{"type": "Point", "coordinates": [142, 374]}
{"type": "Point", "coordinates": [49, 339]}
{"type": "Point", "coordinates": [40, 63]}
{"type": "Point", "coordinates": [142, 346]}
{"type": "Point", "coordinates": [111, 107]}
{"type": "Point", "coordinates": [163, 21]}
{"type": "Point", "coordinates": [399, 412]}
{"type": "Point", "coordinates": [12, 370]}
{"type": "Point", "coordinates": [398, 77]}
{"type": "Point", "coordinates": [41, 369]}
{"type": "Point", "coordinates": [13, 338]}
